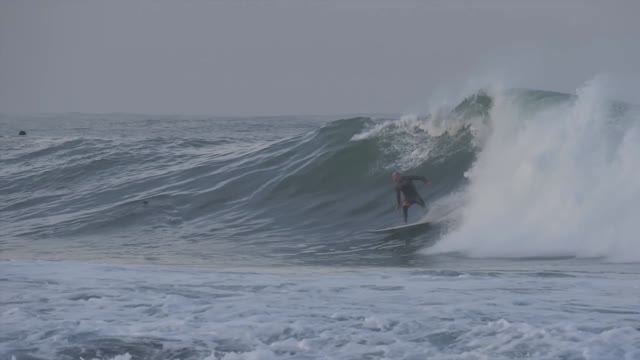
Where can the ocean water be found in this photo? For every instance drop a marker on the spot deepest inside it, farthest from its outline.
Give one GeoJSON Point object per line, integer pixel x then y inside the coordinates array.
{"type": "Point", "coordinates": [193, 237]}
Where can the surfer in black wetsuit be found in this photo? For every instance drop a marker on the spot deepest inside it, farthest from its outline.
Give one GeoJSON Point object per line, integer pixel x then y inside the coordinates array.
{"type": "Point", "coordinates": [404, 185]}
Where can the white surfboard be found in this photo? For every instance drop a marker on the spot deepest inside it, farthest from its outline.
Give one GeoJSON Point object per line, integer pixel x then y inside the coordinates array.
{"type": "Point", "coordinates": [401, 228]}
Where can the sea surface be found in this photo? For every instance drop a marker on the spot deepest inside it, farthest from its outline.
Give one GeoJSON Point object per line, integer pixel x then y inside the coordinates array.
{"type": "Point", "coordinates": [196, 237]}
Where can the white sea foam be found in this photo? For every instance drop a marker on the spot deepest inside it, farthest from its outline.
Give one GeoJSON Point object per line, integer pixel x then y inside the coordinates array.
{"type": "Point", "coordinates": [72, 310]}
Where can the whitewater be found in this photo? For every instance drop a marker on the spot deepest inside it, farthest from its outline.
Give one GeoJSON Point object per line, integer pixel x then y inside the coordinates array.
{"type": "Point", "coordinates": [193, 237]}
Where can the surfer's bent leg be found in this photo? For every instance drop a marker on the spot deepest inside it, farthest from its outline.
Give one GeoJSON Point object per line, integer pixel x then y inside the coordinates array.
{"type": "Point", "coordinates": [405, 210]}
{"type": "Point", "coordinates": [420, 202]}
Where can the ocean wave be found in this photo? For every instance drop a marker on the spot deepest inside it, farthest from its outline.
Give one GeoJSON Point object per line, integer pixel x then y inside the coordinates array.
{"type": "Point", "coordinates": [518, 174]}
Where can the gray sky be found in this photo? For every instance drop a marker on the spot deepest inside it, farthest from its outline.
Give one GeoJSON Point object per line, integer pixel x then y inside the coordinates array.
{"type": "Point", "coordinates": [246, 57]}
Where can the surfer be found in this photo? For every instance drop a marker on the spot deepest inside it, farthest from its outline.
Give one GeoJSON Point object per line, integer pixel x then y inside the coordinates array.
{"type": "Point", "coordinates": [404, 185]}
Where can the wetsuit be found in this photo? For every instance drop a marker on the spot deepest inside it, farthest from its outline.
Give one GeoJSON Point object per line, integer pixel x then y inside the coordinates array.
{"type": "Point", "coordinates": [411, 196]}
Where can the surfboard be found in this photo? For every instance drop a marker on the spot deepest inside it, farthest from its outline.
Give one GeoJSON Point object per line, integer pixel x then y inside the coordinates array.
{"type": "Point", "coordinates": [396, 229]}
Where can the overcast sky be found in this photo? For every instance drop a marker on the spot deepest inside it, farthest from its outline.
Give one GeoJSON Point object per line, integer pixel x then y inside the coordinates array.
{"type": "Point", "coordinates": [245, 57]}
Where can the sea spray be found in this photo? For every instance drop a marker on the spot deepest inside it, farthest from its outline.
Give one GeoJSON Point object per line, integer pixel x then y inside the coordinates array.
{"type": "Point", "coordinates": [559, 180]}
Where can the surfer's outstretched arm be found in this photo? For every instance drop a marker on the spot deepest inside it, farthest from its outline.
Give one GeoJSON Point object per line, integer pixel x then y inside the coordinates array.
{"type": "Point", "coordinates": [412, 177]}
